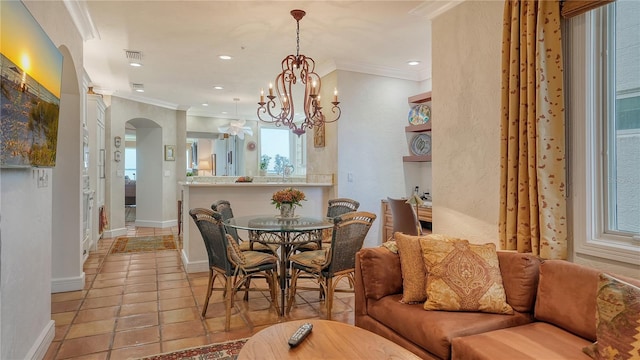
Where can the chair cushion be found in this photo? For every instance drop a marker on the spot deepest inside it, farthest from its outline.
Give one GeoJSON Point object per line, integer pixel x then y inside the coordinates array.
{"type": "Point", "coordinates": [316, 259]}
{"type": "Point", "coordinates": [463, 277]}
{"type": "Point", "coordinates": [237, 256]}
{"type": "Point", "coordinates": [257, 258]}
{"type": "Point", "coordinates": [618, 320]}
{"type": "Point", "coordinates": [246, 246]}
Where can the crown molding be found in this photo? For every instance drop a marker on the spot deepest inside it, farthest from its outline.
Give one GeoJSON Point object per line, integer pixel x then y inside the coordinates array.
{"type": "Point", "coordinates": [433, 9]}
{"type": "Point", "coordinates": [82, 19]}
{"type": "Point", "coordinates": [149, 101]}
{"type": "Point", "coordinates": [381, 70]}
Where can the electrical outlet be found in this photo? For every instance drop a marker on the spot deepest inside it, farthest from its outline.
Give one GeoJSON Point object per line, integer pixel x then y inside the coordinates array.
{"type": "Point", "coordinates": [350, 177]}
{"type": "Point", "coordinates": [43, 178]}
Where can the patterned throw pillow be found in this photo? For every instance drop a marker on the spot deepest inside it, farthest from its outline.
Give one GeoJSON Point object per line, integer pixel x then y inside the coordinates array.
{"type": "Point", "coordinates": [463, 277]}
{"type": "Point", "coordinates": [391, 245]}
{"type": "Point", "coordinates": [617, 320]}
{"type": "Point", "coordinates": [414, 273]}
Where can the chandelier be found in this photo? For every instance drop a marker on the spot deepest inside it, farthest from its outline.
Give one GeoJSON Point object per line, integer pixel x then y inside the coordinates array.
{"type": "Point", "coordinates": [304, 67]}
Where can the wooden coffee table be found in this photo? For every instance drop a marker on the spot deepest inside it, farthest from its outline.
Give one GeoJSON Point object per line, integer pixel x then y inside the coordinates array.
{"type": "Point", "coordinates": [328, 340]}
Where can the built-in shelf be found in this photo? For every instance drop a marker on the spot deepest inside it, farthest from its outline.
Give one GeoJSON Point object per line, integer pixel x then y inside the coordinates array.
{"type": "Point", "coordinates": [420, 98]}
{"type": "Point", "coordinates": [418, 128]}
{"type": "Point", "coordinates": [416, 158]}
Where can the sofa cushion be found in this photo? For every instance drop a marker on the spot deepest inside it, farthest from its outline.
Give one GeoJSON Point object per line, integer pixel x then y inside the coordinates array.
{"type": "Point", "coordinates": [618, 320]}
{"type": "Point", "coordinates": [567, 297]}
{"type": "Point", "coordinates": [380, 272]}
{"type": "Point", "coordinates": [463, 277]}
{"type": "Point", "coordinates": [414, 273]}
{"type": "Point", "coordinates": [520, 279]}
{"type": "Point", "coordinates": [537, 340]}
{"type": "Point", "coordinates": [413, 270]}
{"type": "Point", "coordinates": [434, 330]}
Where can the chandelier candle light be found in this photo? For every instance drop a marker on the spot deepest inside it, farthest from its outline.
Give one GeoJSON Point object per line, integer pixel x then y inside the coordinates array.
{"type": "Point", "coordinates": [305, 68]}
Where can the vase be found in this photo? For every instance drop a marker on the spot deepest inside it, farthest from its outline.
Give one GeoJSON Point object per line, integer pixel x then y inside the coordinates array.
{"type": "Point", "coordinates": [287, 211]}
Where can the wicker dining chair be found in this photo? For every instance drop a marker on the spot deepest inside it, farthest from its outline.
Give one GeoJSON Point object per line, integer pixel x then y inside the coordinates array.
{"type": "Point", "coordinates": [335, 207]}
{"type": "Point", "coordinates": [224, 208]}
{"type": "Point", "coordinates": [234, 266]}
{"type": "Point", "coordinates": [328, 266]}
{"type": "Point", "coordinates": [405, 219]}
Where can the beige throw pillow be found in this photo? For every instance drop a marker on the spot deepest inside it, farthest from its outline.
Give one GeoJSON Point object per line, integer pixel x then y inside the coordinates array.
{"type": "Point", "coordinates": [463, 277]}
{"type": "Point", "coordinates": [617, 320]}
{"type": "Point", "coordinates": [413, 270]}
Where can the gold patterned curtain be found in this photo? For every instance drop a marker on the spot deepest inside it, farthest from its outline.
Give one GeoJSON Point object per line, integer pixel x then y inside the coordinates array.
{"type": "Point", "coordinates": [532, 160]}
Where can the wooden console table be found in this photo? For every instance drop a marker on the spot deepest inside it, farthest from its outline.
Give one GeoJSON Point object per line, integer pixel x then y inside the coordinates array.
{"type": "Point", "coordinates": [424, 214]}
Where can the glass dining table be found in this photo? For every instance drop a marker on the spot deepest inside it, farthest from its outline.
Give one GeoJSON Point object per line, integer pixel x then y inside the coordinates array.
{"type": "Point", "coordinates": [288, 233]}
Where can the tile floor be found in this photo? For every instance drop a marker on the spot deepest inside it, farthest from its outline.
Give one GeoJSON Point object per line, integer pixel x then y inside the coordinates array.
{"type": "Point", "coordinates": [141, 304]}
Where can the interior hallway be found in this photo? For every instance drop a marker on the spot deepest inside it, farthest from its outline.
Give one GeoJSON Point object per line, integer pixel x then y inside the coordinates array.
{"type": "Point", "coordinates": [144, 303]}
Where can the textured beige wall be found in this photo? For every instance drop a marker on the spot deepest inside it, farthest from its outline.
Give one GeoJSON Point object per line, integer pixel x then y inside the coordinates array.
{"type": "Point", "coordinates": [466, 126]}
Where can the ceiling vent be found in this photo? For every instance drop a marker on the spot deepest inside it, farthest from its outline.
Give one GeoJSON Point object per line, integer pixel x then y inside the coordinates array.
{"type": "Point", "coordinates": [137, 87]}
{"type": "Point", "coordinates": [134, 57]}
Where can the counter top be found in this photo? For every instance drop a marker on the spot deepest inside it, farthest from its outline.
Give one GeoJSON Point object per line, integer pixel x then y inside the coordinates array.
{"type": "Point", "coordinates": [254, 184]}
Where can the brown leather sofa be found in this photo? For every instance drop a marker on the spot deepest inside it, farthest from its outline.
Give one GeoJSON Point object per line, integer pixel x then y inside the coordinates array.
{"type": "Point", "coordinates": [554, 316]}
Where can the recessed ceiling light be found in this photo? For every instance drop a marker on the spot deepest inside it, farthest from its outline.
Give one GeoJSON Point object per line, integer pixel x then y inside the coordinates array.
{"type": "Point", "coordinates": [140, 90]}
{"type": "Point", "coordinates": [135, 64]}
{"type": "Point", "coordinates": [413, 62]}
{"type": "Point", "coordinates": [224, 112]}
{"type": "Point", "coordinates": [205, 104]}
{"type": "Point", "coordinates": [225, 57]}
{"type": "Point", "coordinates": [218, 87]}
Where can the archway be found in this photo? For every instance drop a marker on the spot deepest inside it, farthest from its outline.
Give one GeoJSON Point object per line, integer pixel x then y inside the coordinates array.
{"type": "Point", "coordinates": [66, 252]}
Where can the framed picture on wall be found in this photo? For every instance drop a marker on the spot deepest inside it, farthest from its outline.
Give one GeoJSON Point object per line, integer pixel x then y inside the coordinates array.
{"type": "Point", "coordinates": [169, 153]}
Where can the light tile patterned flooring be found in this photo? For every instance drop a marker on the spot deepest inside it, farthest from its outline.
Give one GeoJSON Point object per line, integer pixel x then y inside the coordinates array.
{"type": "Point", "coordinates": [141, 304]}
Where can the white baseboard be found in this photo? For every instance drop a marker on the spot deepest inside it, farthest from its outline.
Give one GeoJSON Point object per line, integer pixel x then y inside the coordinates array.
{"type": "Point", "coordinates": [40, 347]}
{"type": "Point", "coordinates": [194, 266]}
{"type": "Point", "coordinates": [67, 284]}
{"type": "Point", "coordinates": [157, 224]}
{"type": "Point", "coordinates": [114, 233]}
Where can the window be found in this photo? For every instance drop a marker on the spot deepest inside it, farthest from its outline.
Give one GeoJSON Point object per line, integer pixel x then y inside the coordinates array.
{"type": "Point", "coordinates": [283, 148]}
{"type": "Point", "coordinates": [603, 67]}
{"type": "Point", "coordinates": [130, 163]}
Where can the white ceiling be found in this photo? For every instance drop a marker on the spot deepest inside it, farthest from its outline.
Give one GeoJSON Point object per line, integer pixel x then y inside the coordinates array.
{"type": "Point", "coordinates": [181, 40]}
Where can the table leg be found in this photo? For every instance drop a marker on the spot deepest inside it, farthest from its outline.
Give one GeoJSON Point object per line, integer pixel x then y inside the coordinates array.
{"type": "Point", "coordinates": [283, 276]}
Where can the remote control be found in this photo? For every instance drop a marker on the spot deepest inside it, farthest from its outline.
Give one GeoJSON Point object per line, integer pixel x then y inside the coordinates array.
{"type": "Point", "coordinates": [300, 334]}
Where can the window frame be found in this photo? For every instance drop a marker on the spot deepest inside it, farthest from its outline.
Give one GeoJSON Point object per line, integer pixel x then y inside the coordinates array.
{"type": "Point", "coordinates": [586, 163]}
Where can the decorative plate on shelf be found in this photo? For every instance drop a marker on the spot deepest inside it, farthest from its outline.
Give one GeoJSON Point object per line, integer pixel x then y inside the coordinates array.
{"type": "Point", "coordinates": [419, 114]}
{"type": "Point", "coordinates": [421, 144]}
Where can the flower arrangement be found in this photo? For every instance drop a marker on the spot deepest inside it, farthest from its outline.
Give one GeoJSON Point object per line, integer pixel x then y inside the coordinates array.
{"type": "Point", "coordinates": [287, 196]}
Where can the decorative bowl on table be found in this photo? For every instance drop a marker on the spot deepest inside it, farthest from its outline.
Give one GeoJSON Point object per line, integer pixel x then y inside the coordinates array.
{"type": "Point", "coordinates": [244, 179]}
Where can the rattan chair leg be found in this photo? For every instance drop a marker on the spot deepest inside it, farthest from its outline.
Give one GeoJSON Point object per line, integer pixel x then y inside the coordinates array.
{"type": "Point", "coordinates": [228, 300]}
{"type": "Point", "coordinates": [272, 279]}
{"type": "Point", "coordinates": [329, 285]}
{"type": "Point", "coordinates": [209, 291]}
{"type": "Point", "coordinates": [292, 290]}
